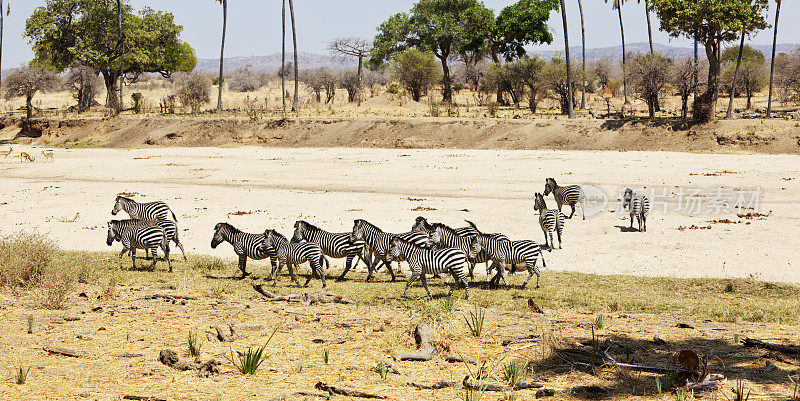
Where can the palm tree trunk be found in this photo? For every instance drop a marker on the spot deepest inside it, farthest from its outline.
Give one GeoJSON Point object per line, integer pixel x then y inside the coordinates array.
{"type": "Point", "coordinates": [583, 58]}
{"type": "Point", "coordinates": [283, 56]}
{"type": "Point", "coordinates": [649, 26]}
{"type": "Point", "coordinates": [222, 54]}
{"type": "Point", "coordinates": [729, 112]}
{"type": "Point", "coordinates": [570, 110]}
{"type": "Point", "coordinates": [295, 104]}
{"type": "Point", "coordinates": [772, 62]}
{"type": "Point", "coordinates": [624, 77]}
{"type": "Point", "coordinates": [121, 57]}
{"type": "Point", "coordinates": [696, 72]}
{"type": "Point", "coordinates": [2, 14]}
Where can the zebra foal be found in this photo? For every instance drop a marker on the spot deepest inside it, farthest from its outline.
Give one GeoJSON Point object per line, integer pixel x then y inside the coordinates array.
{"type": "Point", "coordinates": [567, 195]}
{"type": "Point", "coordinates": [245, 245]}
{"type": "Point", "coordinates": [551, 220]}
{"type": "Point", "coordinates": [138, 236]}
{"type": "Point", "coordinates": [290, 254]}
{"type": "Point", "coordinates": [636, 205]}
{"type": "Point", "coordinates": [431, 261]}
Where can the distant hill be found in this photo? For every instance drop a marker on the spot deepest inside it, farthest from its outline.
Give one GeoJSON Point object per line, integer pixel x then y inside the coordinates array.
{"type": "Point", "coordinates": [311, 60]}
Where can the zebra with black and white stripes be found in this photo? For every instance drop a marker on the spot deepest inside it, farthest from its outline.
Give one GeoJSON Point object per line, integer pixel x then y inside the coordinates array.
{"type": "Point", "coordinates": [505, 252]}
{"type": "Point", "coordinates": [245, 245]}
{"type": "Point", "coordinates": [421, 225]}
{"type": "Point", "coordinates": [290, 254]}
{"type": "Point", "coordinates": [379, 241]}
{"type": "Point", "coordinates": [431, 261]}
{"type": "Point", "coordinates": [333, 245]}
{"type": "Point", "coordinates": [551, 220]}
{"type": "Point", "coordinates": [636, 205]}
{"type": "Point", "coordinates": [169, 226]}
{"type": "Point", "coordinates": [567, 195]}
{"type": "Point", "coordinates": [143, 211]}
{"type": "Point", "coordinates": [138, 236]}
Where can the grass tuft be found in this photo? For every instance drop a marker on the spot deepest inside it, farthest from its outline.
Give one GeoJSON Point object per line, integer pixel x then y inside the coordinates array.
{"type": "Point", "coordinates": [21, 374]}
{"type": "Point", "coordinates": [30, 324]}
{"type": "Point", "coordinates": [382, 369]}
{"type": "Point", "coordinates": [475, 321]}
{"type": "Point", "coordinates": [247, 362]}
{"type": "Point", "coordinates": [325, 355]}
{"type": "Point", "coordinates": [195, 343]}
{"type": "Point", "coordinates": [739, 392]}
{"type": "Point", "coordinates": [512, 372]}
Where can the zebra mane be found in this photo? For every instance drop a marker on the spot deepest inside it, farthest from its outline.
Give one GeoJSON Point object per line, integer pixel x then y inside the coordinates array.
{"type": "Point", "coordinates": [277, 235]}
{"type": "Point", "coordinates": [308, 225]}
{"type": "Point", "coordinates": [123, 198]}
{"type": "Point", "coordinates": [228, 226]}
{"type": "Point", "coordinates": [424, 222]}
{"type": "Point", "coordinates": [368, 224]}
{"type": "Point", "coordinates": [444, 227]}
{"type": "Point", "coordinates": [403, 241]}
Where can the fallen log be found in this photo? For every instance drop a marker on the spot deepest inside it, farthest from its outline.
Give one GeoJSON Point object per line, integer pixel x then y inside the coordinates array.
{"type": "Point", "coordinates": [64, 351]}
{"type": "Point", "coordinates": [142, 398]}
{"type": "Point", "coordinates": [173, 297]}
{"type": "Point", "coordinates": [221, 336]}
{"type": "Point", "coordinates": [528, 339]}
{"type": "Point", "coordinates": [458, 359]}
{"type": "Point", "coordinates": [319, 297]}
{"type": "Point", "coordinates": [434, 386]}
{"type": "Point", "coordinates": [426, 349]}
{"type": "Point", "coordinates": [494, 387]}
{"type": "Point", "coordinates": [786, 349]}
{"type": "Point", "coordinates": [346, 392]}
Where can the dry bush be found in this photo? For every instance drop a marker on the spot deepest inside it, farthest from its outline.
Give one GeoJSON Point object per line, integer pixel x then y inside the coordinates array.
{"type": "Point", "coordinates": [55, 286]}
{"type": "Point", "coordinates": [192, 90]}
{"type": "Point", "coordinates": [25, 259]}
{"type": "Point", "coordinates": [244, 80]}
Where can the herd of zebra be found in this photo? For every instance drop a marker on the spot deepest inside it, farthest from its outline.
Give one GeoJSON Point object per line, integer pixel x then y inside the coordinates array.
{"type": "Point", "coordinates": [429, 248]}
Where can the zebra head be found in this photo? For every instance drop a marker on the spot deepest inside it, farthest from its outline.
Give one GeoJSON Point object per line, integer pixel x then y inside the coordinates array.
{"type": "Point", "coordinates": [219, 234]}
{"type": "Point", "coordinates": [421, 225]}
{"type": "Point", "coordinates": [112, 233]}
{"type": "Point", "coordinates": [549, 186]}
{"type": "Point", "coordinates": [475, 246]}
{"type": "Point", "coordinates": [117, 205]}
{"type": "Point", "coordinates": [627, 198]}
{"type": "Point", "coordinates": [434, 239]}
{"type": "Point", "coordinates": [395, 251]}
{"type": "Point", "coordinates": [300, 231]}
{"type": "Point", "coordinates": [539, 203]}
{"type": "Point", "coordinates": [358, 231]}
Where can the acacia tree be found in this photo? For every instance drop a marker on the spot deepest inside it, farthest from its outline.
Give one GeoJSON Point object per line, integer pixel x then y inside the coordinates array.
{"type": "Point", "coordinates": [222, 52]}
{"type": "Point", "coordinates": [711, 22]}
{"type": "Point", "coordinates": [416, 70]}
{"type": "Point", "coordinates": [27, 81]}
{"type": "Point", "coordinates": [748, 76]}
{"type": "Point", "coordinates": [64, 33]}
{"type": "Point", "coordinates": [353, 47]}
{"type": "Point", "coordinates": [772, 60]}
{"type": "Point", "coordinates": [648, 75]}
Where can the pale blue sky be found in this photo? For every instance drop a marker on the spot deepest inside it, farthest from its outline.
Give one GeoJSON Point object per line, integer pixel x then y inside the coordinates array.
{"type": "Point", "coordinates": [254, 26]}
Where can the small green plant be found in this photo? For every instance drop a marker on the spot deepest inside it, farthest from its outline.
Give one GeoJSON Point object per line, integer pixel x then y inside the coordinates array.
{"type": "Point", "coordinates": [247, 362]}
{"type": "Point", "coordinates": [659, 389]}
{"type": "Point", "coordinates": [299, 365]}
{"type": "Point", "coordinates": [383, 370]}
{"type": "Point", "coordinates": [598, 322]}
{"type": "Point", "coordinates": [681, 395]}
{"type": "Point", "coordinates": [475, 321]}
{"type": "Point", "coordinates": [736, 338]}
{"type": "Point", "coordinates": [208, 264]}
{"type": "Point", "coordinates": [325, 355]}
{"type": "Point", "coordinates": [729, 288]}
{"type": "Point", "coordinates": [512, 372]}
{"type": "Point", "coordinates": [448, 304]}
{"type": "Point", "coordinates": [30, 324]}
{"type": "Point", "coordinates": [796, 388]}
{"type": "Point", "coordinates": [195, 343]}
{"type": "Point", "coordinates": [474, 394]}
{"type": "Point", "coordinates": [21, 375]}
{"type": "Point", "coordinates": [510, 396]}
{"type": "Point", "coordinates": [739, 392]}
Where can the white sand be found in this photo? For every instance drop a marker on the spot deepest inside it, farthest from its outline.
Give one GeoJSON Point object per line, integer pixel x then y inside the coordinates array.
{"type": "Point", "coordinates": [331, 187]}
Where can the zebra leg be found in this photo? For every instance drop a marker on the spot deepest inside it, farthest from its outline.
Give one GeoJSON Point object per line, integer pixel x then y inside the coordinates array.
{"type": "Point", "coordinates": [644, 222]}
{"type": "Point", "coordinates": [124, 249]}
{"type": "Point", "coordinates": [291, 267]}
{"type": "Point", "coordinates": [558, 233]}
{"type": "Point", "coordinates": [631, 220]}
{"type": "Point", "coordinates": [243, 265]}
{"type": "Point", "coordinates": [133, 257]}
{"type": "Point", "coordinates": [411, 280]}
{"type": "Point", "coordinates": [548, 245]}
{"type": "Point", "coordinates": [277, 272]}
{"type": "Point", "coordinates": [348, 264]}
{"type": "Point", "coordinates": [425, 284]}
{"type": "Point", "coordinates": [166, 256]}
{"type": "Point", "coordinates": [180, 246]}
{"type": "Point", "coordinates": [573, 211]}
{"type": "Point", "coordinates": [388, 265]}
{"type": "Point", "coordinates": [370, 270]}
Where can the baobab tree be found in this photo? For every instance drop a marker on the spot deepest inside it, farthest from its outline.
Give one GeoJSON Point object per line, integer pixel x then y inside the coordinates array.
{"type": "Point", "coordinates": [617, 5]}
{"type": "Point", "coordinates": [222, 51]}
{"type": "Point", "coordinates": [570, 107]}
{"type": "Point", "coordinates": [352, 47]}
{"type": "Point", "coordinates": [772, 61]}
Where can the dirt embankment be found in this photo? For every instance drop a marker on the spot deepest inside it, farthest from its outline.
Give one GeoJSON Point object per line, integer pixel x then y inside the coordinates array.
{"type": "Point", "coordinates": [776, 136]}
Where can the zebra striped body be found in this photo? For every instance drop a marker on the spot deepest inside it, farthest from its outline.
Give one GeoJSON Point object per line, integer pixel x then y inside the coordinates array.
{"type": "Point", "coordinates": [379, 241]}
{"type": "Point", "coordinates": [505, 252]}
{"type": "Point", "coordinates": [143, 211]}
{"type": "Point", "coordinates": [169, 226]}
{"type": "Point", "coordinates": [334, 245]}
{"type": "Point", "coordinates": [431, 261]}
{"type": "Point", "coordinates": [568, 195]}
{"type": "Point", "coordinates": [638, 206]}
{"type": "Point", "coordinates": [245, 245]}
{"type": "Point", "coordinates": [138, 236]}
{"type": "Point", "coordinates": [421, 225]}
{"type": "Point", "coordinates": [551, 220]}
{"type": "Point", "coordinates": [294, 254]}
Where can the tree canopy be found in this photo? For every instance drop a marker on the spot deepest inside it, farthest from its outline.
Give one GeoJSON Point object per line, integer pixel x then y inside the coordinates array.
{"type": "Point", "coordinates": [748, 54]}
{"type": "Point", "coordinates": [68, 32]}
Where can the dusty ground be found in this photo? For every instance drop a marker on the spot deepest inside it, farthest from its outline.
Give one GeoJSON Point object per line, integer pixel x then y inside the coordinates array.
{"type": "Point", "coordinates": [256, 188]}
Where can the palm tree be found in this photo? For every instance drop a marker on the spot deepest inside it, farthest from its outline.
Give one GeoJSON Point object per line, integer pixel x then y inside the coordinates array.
{"type": "Point", "coordinates": [583, 58]}
{"type": "Point", "coordinates": [121, 56]}
{"type": "Point", "coordinates": [570, 110]}
{"type": "Point", "coordinates": [772, 62]}
{"type": "Point", "coordinates": [222, 52]}
{"type": "Point", "coordinates": [617, 5]}
{"type": "Point", "coordinates": [294, 40]}
{"type": "Point", "coordinates": [1, 38]}
{"type": "Point", "coordinates": [649, 26]}
{"type": "Point", "coordinates": [283, 56]}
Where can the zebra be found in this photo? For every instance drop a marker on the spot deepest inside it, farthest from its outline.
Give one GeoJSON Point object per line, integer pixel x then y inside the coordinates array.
{"type": "Point", "coordinates": [138, 236]}
{"type": "Point", "coordinates": [568, 195]}
{"type": "Point", "coordinates": [505, 252]}
{"type": "Point", "coordinates": [639, 206]}
{"type": "Point", "coordinates": [293, 254]}
{"type": "Point", "coordinates": [429, 261]}
{"type": "Point", "coordinates": [169, 226]}
{"type": "Point", "coordinates": [421, 225]}
{"type": "Point", "coordinates": [550, 220]}
{"type": "Point", "coordinates": [379, 241]}
{"type": "Point", "coordinates": [143, 211]}
{"type": "Point", "coordinates": [245, 245]}
{"type": "Point", "coordinates": [334, 245]}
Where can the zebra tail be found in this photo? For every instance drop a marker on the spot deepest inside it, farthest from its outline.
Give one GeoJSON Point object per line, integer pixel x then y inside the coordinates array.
{"type": "Point", "coordinates": [173, 216]}
{"type": "Point", "coordinates": [541, 256]}
{"type": "Point", "coordinates": [471, 224]}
